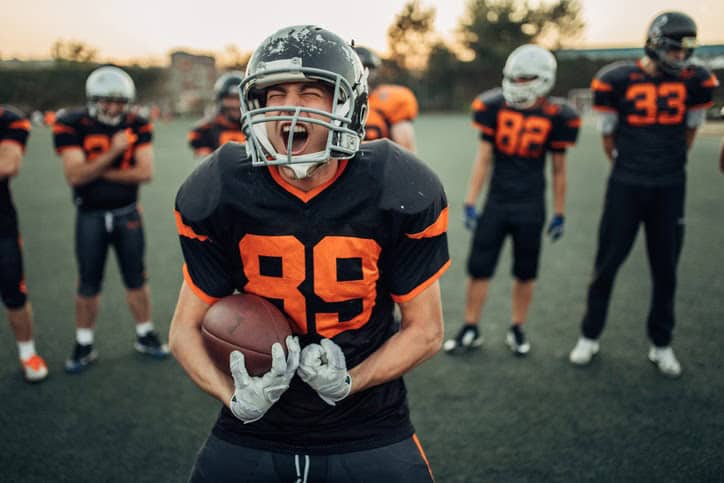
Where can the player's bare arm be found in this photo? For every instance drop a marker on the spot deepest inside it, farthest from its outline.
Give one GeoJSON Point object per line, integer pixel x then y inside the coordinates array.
{"type": "Point", "coordinates": [403, 133]}
{"type": "Point", "coordinates": [479, 172]}
{"type": "Point", "coordinates": [558, 168]}
{"type": "Point", "coordinates": [187, 346]}
{"type": "Point", "coordinates": [79, 172]}
{"type": "Point", "coordinates": [141, 172]}
{"type": "Point", "coordinates": [419, 339]}
{"type": "Point", "coordinates": [609, 147]}
{"type": "Point", "coordinates": [11, 155]}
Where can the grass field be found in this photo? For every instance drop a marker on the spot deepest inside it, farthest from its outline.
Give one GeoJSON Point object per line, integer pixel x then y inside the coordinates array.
{"type": "Point", "coordinates": [484, 417]}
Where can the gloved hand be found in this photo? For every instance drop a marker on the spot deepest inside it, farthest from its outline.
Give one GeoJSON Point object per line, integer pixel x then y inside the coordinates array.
{"type": "Point", "coordinates": [470, 216]}
{"type": "Point", "coordinates": [253, 396]}
{"type": "Point", "coordinates": [555, 227]}
{"type": "Point", "coordinates": [324, 368]}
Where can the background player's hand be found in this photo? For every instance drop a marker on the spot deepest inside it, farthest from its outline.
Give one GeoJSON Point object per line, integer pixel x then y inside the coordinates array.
{"type": "Point", "coordinates": [470, 216]}
{"type": "Point", "coordinates": [253, 396]}
{"type": "Point", "coordinates": [324, 368]}
{"type": "Point", "coordinates": [556, 226]}
{"type": "Point", "coordinates": [120, 141]}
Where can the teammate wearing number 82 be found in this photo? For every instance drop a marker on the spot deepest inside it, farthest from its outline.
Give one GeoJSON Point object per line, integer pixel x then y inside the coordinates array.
{"type": "Point", "coordinates": [334, 233]}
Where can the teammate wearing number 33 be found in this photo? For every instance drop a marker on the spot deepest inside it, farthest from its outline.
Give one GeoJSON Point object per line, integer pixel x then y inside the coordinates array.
{"type": "Point", "coordinates": [334, 233]}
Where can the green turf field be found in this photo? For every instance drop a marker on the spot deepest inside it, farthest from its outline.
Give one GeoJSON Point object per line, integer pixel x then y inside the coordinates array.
{"type": "Point", "coordinates": [484, 417]}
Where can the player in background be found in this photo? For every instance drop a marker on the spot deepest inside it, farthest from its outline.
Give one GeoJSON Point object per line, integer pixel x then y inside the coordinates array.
{"type": "Point", "coordinates": [14, 132]}
{"type": "Point", "coordinates": [392, 108]}
{"type": "Point", "coordinates": [333, 232]}
{"type": "Point", "coordinates": [107, 154]}
{"type": "Point", "coordinates": [225, 125]}
{"type": "Point", "coordinates": [519, 124]}
{"type": "Point", "coordinates": [650, 111]}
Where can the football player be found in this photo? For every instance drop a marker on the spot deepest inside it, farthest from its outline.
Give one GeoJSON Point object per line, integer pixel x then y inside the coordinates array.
{"type": "Point", "coordinates": [334, 233]}
{"type": "Point", "coordinates": [225, 125]}
{"type": "Point", "coordinates": [392, 108]}
{"type": "Point", "coordinates": [519, 124]}
{"type": "Point", "coordinates": [14, 131]}
{"type": "Point", "coordinates": [650, 110]}
{"type": "Point", "coordinates": [107, 154]}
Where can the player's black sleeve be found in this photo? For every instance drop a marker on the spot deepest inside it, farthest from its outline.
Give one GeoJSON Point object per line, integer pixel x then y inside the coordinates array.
{"type": "Point", "coordinates": [700, 89]}
{"type": "Point", "coordinates": [485, 113]}
{"type": "Point", "coordinates": [206, 268]}
{"type": "Point", "coordinates": [565, 129]}
{"type": "Point", "coordinates": [604, 91]}
{"type": "Point", "coordinates": [199, 137]}
{"type": "Point", "coordinates": [143, 130]}
{"type": "Point", "coordinates": [65, 130]}
{"type": "Point", "coordinates": [14, 126]}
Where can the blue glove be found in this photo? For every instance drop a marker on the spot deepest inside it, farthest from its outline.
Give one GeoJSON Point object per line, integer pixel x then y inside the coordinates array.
{"type": "Point", "coordinates": [470, 216]}
{"type": "Point", "coordinates": [555, 227]}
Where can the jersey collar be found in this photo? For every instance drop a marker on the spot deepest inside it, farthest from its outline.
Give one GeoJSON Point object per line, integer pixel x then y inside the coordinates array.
{"type": "Point", "coordinates": [306, 196]}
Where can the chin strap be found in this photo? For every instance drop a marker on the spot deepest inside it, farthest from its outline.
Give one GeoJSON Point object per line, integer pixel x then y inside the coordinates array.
{"type": "Point", "coordinates": [303, 170]}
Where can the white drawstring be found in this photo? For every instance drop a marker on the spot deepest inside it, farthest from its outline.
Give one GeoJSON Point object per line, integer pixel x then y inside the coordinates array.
{"type": "Point", "coordinates": [302, 478]}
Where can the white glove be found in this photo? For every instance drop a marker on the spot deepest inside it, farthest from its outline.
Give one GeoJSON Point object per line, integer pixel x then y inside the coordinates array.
{"type": "Point", "coordinates": [253, 396]}
{"type": "Point", "coordinates": [324, 368]}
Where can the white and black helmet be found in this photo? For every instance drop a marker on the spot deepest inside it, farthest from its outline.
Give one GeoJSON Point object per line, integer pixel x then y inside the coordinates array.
{"type": "Point", "coordinates": [300, 53]}
{"type": "Point", "coordinates": [108, 83]}
{"type": "Point", "coordinates": [529, 73]}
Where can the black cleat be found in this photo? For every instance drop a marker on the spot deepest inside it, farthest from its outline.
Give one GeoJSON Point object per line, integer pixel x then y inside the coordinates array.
{"type": "Point", "coordinates": [83, 356]}
{"type": "Point", "coordinates": [150, 345]}
{"type": "Point", "coordinates": [467, 339]}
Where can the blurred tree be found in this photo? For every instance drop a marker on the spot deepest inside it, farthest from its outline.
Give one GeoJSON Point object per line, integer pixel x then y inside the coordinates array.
{"type": "Point", "coordinates": [73, 51]}
{"type": "Point", "coordinates": [234, 59]}
{"type": "Point", "coordinates": [411, 36]}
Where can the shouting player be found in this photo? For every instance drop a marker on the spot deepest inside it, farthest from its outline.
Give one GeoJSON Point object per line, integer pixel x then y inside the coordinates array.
{"type": "Point", "coordinates": [518, 126]}
{"type": "Point", "coordinates": [225, 125]}
{"type": "Point", "coordinates": [14, 131]}
{"type": "Point", "coordinates": [107, 155]}
{"type": "Point", "coordinates": [392, 108]}
{"type": "Point", "coordinates": [650, 111]}
{"type": "Point", "coordinates": [335, 234]}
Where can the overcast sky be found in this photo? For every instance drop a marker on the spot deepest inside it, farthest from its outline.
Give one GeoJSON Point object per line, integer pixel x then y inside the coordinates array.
{"type": "Point", "coordinates": [143, 29]}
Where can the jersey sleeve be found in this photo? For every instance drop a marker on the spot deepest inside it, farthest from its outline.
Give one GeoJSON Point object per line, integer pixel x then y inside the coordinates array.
{"type": "Point", "coordinates": [565, 129]}
{"type": "Point", "coordinates": [485, 116]}
{"type": "Point", "coordinates": [144, 132]}
{"type": "Point", "coordinates": [604, 93]}
{"type": "Point", "coordinates": [14, 128]}
{"type": "Point", "coordinates": [198, 138]}
{"type": "Point", "coordinates": [700, 89]}
{"type": "Point", "coordinates": [206, 262]}
{"type": "Point", "coordinates": [65, 132]}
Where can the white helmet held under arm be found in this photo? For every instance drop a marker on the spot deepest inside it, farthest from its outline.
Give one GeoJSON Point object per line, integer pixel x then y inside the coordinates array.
{"type": "Point", "coordinates": [109, 83]}
{"type": "Point", "coordinates": [528, 75]}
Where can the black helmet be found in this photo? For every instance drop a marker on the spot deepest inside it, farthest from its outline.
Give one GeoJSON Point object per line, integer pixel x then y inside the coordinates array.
{"type": "Point", "coordinates": [671, 31]}
{"type": "Point", "coordinates": [369, 59]}
{"type": "Point", "coordinates": [227, 84]}
{"type": "Point", "coordinates": [298, 53]}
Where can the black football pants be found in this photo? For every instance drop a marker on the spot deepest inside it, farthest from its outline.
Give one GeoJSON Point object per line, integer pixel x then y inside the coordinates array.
{"type": "Point", "coordinates": [661, 210]}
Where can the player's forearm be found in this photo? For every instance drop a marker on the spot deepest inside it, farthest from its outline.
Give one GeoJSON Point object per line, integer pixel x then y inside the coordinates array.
{"type": "Point", "coordinates": [609, 147]}
{"type": "Point", "coordinates": [559, 183]}
{"type": "Point", "coordinates": [82, 173]}
{"type": "Point", "coordinates": [135, 175]}
{"type": "Point", "coordinates": [10, 159]}
{"type": "Point", "coordinates": [689, 136]}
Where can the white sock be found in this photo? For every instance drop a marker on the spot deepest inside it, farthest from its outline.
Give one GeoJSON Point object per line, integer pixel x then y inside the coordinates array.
{"type": "Point", "coordinates": [26, 349]}
{"type": "Point", "coordinates": [144, 328]}
{"type": "Point", "coordinates": [84, 336]}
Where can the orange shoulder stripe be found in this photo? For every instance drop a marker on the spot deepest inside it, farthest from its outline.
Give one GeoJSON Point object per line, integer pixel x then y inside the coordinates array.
{"type": "Point", "coordinates": [192, 136]}
{"type": "Point", "coordinates": [23, 124]}
{"type": "Point", "coordinates": [185, 230]}
{"type": "Point", "coordinates": [60, 128]}
{"type": "Point", "coordinates": [437, 228]}
{"type": "Point", "coordinates": [599, 85]}
{"type": "Point", "coordinates": [712, 81]}
{"type": "Point", "coordinates": [417, 290]}
{"type": "Point", "coordinates": [206, 298]}
{"type": "Point", "coordinates": [478, 105]}
{"type": "Point", "coordinates": [487, 130]}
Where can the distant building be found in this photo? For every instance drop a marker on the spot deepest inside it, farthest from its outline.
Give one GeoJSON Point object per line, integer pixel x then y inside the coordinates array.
{"type": "Point", "coordinates": [191, 80]}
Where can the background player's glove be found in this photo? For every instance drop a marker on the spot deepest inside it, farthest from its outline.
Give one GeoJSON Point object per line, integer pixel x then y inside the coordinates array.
{"type": "Point", "coordinates": [555, 228]}
{"type": "Point", "coordinates": [470, 216]}
{"type": "Point", "coordinates": [254, 396]}
{"type": "Point", "coordinates": [324, 368]}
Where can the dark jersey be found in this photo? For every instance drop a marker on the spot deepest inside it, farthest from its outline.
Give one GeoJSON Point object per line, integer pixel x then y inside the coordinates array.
{"type": "Point", "coordinates": [650, 135]}
{"type": "Point", "coordinates": [334, 259]}
{"type": "Point", "coordinates": [521, 140]}
{"type": "Point", "coordinates": [14, 128]}
{"type": "Point", "coordinates": [209, 134]}
{"type": "Point", "coordinates": [389, 104]}
{"type": "Point", "coordinates": [77, 129]}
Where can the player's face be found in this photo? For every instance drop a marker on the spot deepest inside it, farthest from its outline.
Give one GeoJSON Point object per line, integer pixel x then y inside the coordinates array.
{"type": "Point", "coordinates": [230, 106]}
{"type": "Point", "coordinates": [308, 137]}
{"type": "Point", "coordinates": [112, 107]}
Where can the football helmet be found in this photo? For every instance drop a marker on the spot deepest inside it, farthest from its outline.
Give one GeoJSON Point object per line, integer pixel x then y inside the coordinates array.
{"type": "Point", "coordinates": [369, 59]}
{"type": "Point", "coordinates": [671, 31]}
{"type": "Point", "coordinates": [296, 54]}
{"type": "Point", "coordinates": [529, 73]}
{"type": "Point", "coordinates": [109, 83]}
{"type": "Point", "coordinates": [227, 84]}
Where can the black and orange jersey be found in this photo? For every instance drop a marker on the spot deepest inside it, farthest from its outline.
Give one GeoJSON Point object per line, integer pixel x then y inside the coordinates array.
{"type": "Point", "coordinates": [388, 105]}
{"type": "Point", "coordinates": [209, 134]}
{"type": "Point", "coordinates": [650, 136]}
{"type": "Point", "coordinates": [521, 139]}
{"type": "Point", "coordinates": [14, 128]}
{"type": "Point", "coordinates": [334, 259]}
{"type": "Point", "coordinates": [77, 129]}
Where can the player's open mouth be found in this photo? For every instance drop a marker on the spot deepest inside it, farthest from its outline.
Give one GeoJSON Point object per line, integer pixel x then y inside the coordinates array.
{"type": "Point", "coordinates": [300, 138]}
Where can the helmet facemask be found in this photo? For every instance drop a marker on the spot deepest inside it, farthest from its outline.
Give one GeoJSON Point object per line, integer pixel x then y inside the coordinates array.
{"type": "Point", "coordinates": [342, 140]}
{"type": "Point", "coordinates": [109, 84]}
{"type": "Point", "coordinates": [528, 75]}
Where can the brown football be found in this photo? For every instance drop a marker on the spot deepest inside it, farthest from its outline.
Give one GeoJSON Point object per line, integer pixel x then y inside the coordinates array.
{"type": "Point", "coordinates": [246, 323]}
